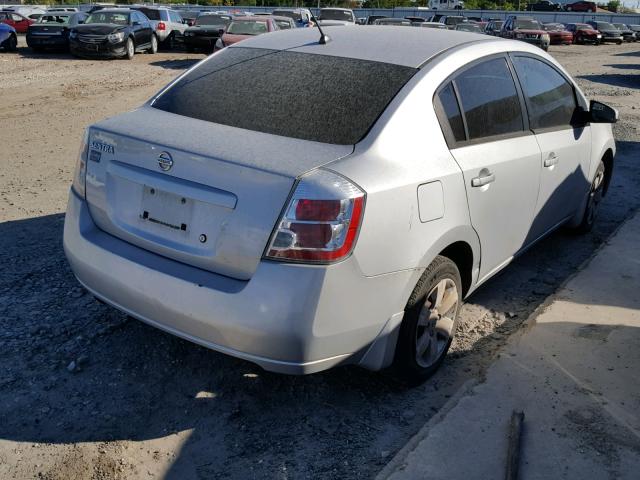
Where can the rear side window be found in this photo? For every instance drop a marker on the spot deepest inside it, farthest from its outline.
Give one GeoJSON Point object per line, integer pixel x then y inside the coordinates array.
{"type": "Point", "coordinates": [151, 13]}
{"type": "Point", "coordinates": [489, 99]}
{"type": "Point", "coordinates": [313, 97]}
{"type": "Point", "coordinates": [550, 98]}
{"type": "Point", "coordinates": [449, 109]}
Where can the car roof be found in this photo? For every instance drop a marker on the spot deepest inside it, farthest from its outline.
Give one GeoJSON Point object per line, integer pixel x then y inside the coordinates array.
{"type": "Point", "coordinates": [410, 47]}
{"type": "Point", "coordinates": [115, 10]}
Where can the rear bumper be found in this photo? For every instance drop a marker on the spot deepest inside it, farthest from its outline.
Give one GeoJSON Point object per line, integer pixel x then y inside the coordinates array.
{"type": "Point", "coordinates": [200, 42]}
{"type": "Point", "coordinates": [44, 41]}
{"type": "Point", "coordinates": [291, 319]}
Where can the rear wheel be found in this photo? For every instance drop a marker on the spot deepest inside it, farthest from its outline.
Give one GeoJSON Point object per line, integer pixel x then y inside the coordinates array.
{"type": "Point", "coordinates": [130, 49]}
{"type": "Point", "coordinates": [12, 43]}
{"type": "Point", "coordinates": [154, 45]}
{"type": "Point", "coordinates": [429, 322]}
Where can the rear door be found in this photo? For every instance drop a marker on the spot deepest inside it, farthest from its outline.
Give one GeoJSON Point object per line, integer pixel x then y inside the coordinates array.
{"type": "Point", "coordinates": [483, 119]}
{"type": "Point", "coordinates": [564, 140]}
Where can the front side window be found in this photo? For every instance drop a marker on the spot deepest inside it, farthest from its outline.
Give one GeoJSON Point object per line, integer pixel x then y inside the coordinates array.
{"type": "Point", "coordinates": [550, 98]}
{"type": "Point", "coordinates": [489, 99]}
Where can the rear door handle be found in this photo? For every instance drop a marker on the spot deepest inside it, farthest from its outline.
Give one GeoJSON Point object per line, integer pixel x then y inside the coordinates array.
{"type": "Point", "coordinates": [551, 160]}
{"type": "Point", "coordinates": [484, 178]}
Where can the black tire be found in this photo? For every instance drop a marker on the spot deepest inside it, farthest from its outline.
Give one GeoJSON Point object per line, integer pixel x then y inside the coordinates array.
{"type": "Point", "coordinates": [130, 49]}
{"type": "Point", "coordinates": [11, 43]}
{"type": "Point", "coordinates": [153, 48]}
{"type": "Point", "coordinates": [619, 42]}
{"type": "Point", "coordinates": [169, 42]}
{"type": "Point", "coordinates": [596, 194]}
{"type": "Point", "coordinates": [408, 364]}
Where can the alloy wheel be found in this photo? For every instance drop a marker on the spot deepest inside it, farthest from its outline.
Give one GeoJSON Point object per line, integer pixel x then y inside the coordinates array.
{"type": "Point", "coordinates": [436, 322]}
{"type": "Point", "coordinates": [595, 196]}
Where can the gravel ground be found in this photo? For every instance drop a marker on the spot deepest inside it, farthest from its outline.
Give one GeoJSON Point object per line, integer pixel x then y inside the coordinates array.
{"type": "Point", "coordinates": [86, 393]}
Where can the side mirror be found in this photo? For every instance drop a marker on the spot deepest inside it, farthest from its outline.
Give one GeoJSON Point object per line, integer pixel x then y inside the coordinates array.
{"type": "Point", "coordinates": [221, 32]}
{"type": "Point", "coordinates": [601, 113]}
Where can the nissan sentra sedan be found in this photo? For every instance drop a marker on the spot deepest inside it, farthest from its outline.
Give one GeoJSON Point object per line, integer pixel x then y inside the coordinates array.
{"type": "Point", "coordinates": [309, 234]}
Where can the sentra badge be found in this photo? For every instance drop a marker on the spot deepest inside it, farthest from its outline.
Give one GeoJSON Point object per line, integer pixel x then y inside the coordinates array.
{"type": "Point", "coordinates": [102, 147]}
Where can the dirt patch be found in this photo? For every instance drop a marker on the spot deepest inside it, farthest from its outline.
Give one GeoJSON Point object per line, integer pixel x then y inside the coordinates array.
{"type": "Point", "coordinates": [86, 393]}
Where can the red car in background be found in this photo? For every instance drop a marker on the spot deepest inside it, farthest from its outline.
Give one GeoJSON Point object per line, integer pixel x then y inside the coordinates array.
{"type": "Point", "coordinates": [558, 35]}
{"type": "Point", "coordinates": [584, 33]}
{"type": "Point", "coordinates": [581, 7]}
{"type": "Point", "coordinates": [242, 28]}
{"type": "Point", "coordinates": [17, 21]}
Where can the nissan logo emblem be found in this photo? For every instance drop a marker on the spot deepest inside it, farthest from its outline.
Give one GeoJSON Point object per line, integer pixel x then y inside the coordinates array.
{"type": "Point", "coordinates": [165, 161]}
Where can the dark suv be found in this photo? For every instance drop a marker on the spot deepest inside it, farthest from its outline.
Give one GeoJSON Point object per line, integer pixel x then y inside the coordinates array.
{"type": "Point", "coordinates": [526, 29]}
{"type": "Point", "coordinates": [608, 31]}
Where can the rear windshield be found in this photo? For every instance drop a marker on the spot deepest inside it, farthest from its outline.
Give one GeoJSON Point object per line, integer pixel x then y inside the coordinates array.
{"type": "Point", "coordinates": [56, 19]}
{"type": "Point", "coordinates": [222, 20]}
{"type": "Point", "coordinates": [342, 15]}
{"type": "Point", "coordinates": [313, 97]}
{"type": "Point", "coordinates": [247, 27]}
{"type": "Point", "coordinates": [528, 24]}
{"type": "Point", "coordinates": [151, 13]}
{"type": "Point", "coordinates": [605, 26]}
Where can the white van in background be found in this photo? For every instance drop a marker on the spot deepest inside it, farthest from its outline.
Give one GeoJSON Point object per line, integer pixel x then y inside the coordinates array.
{"type": "Point", "coordinates": [446, 4]}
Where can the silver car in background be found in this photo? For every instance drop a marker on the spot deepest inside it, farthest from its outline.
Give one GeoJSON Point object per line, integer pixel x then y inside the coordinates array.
{"type": "Point", "coordinates": [167, 24]}
{"type": "Point", "coordinates": [301, 235]}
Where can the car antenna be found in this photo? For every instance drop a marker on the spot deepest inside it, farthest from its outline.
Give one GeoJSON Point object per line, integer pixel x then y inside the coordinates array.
{"type": "Point", "coordinates": [323, 38]}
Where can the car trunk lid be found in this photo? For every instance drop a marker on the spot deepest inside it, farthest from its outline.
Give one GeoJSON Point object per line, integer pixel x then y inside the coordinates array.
{"type": "Point", "coordinates": [203, 194]}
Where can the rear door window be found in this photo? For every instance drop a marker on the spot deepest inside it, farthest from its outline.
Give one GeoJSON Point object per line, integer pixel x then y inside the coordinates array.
{"type": "Point", "coordinates": [448, 112]}
{"type": "Point", "coordinates": [489, 100]}
{"type": "Point", "coordinates": [313, 97]}
{"type": "Point", "coordinates": [550, 98]}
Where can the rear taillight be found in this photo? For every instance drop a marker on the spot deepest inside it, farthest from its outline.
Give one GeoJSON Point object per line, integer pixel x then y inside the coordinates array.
{"type": "Point", "coordinates": [321, 221]}
{"type": "Point", "coordinates": [80, 174]}
{"type": "Point", "coordinates": [161, 26]}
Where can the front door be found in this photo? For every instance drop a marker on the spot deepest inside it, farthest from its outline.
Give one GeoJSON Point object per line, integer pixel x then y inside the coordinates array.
{"type": "Point", "coordinates": [565, 142]}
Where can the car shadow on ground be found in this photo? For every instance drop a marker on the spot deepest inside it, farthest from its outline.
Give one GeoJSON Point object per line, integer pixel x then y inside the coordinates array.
{"type": "Point", "coordinates": [49, 54]}
{"type": "Point", "coordinates": [177, 64]}
{"type": "Point", "coordinates": [615, 79]}
{"type": "Point", "coordinates": [75, 370]}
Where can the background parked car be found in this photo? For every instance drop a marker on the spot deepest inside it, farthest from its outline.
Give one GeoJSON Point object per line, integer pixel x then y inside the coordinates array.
{"type": "Point", "coordinates": [8, 38]}
{"type": "Point", "coordinates": [300, 16]}
{"type": "Point", "coordinates": [189, 16]}
{"type": "Point", "coordinates": [113, 33]}
{"type": "Point", "coordinates": [242, 28]}
{"type": "Point", "coordinates": [284, 23]}
{"type": "Point", "coordinates": [558, 34]}
{"type": "Point", "coordinates": [544, 6]}
{"type": "Point", "coordinates": [584, 33]}
{"type": "Point", "coordinates": [371, 19]}
{"type": "Point", "coordinates": [581, 7]}
{"type": "Point", "coordinates": [433, 25]}
{"type": "Point", "coordinates": [469, 27]}
{"type": "Point", "coordinates": [167, 24]}
{"type": "Point", "coordinates": [608, 31]}
{"type": "Point", "coordinates": [415, 20]}
{"type": "Point", "coordinates": [398, 22]}
{"type": "Point", "coordinates": [16, 20]}
{"type": "Point", "coordinates": [636, 29]}
{"type": "Point", "coordinates": [334, 16]}
{"type": "Point", "coordinates": [206, 31]}
{"type": "Point", "coordinates": [452, 20]}
{"type": "Point", "coordinates": [628, 35]}
{"type": "Point", "coordinates": [52, 30]}
{"type": "Point", "coordinates": [526, 29]}
{"type": "Point", "coordinates": [494, 27]}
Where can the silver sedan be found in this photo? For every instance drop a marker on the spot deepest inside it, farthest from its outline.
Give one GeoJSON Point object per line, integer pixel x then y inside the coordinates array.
{"type": "Point", "coordinates": [303, 205]}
